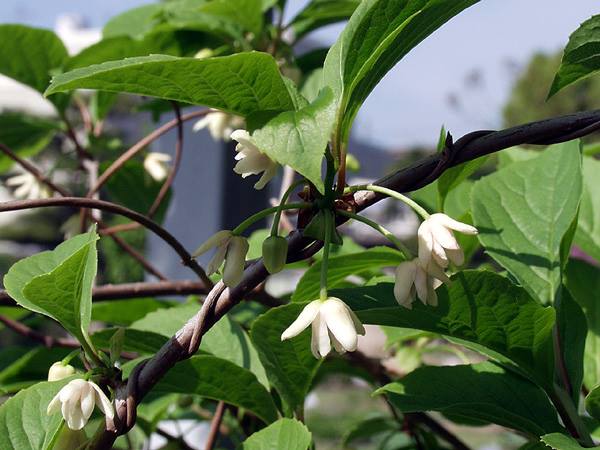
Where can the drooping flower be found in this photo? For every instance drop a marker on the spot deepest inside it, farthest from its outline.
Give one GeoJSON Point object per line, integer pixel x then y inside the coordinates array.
{"type": "Point", "coordinates": [332, 322]}
{"type": "Point", "coordinates": [229, 248]}
{"type": "Point", "coordinates": [219, 124]}
{"type": "Point", "coordinates": [58, 371]}
{"type": "Point", "coordinates": [157, 165]}
{"type": "Point", "coordinates": [437, 244]}
{"type": "Point", "coordinates": [76, 401]}
{"type": "Point", "coordinates": [251, 161]}
{"type": "Point", "coordinates": [27, 186]}
{"type": "Point", "coordinates": [412, 280]}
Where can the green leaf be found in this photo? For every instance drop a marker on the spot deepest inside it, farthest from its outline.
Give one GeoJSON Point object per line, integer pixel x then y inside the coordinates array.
{"type": "Point", "coordinates": [319, 13]}
{"type": "Point", "coordinates": [30, 55]}
{"type": "Point", "coordinates": [583, 282]}
{"type": "Point", "coordinates": [340, 267]}
{"type": "Point", "coordinates": [455, 176]}
{"type": "Point", "coordinates": [572, 328]}
{"type": "Point", "coordinates": [299, 138]}
{"type": "Point", "coordinates": [481, 392]}
{"type": "Point", "coordinates": [135, 22]}
{"type": "Point", "coordinates": [142, 342]}
{"type": "Point", "coordinates": [241, 84]}
{"type": "Point", "coordinates": [479, 307]}
{"type": "Point", "coordinates": [368, 428]}
{"type": "Point", "coordinates": [524, 210]}
{"type": "Point", "coordinates": [559, 441]}
{"type": "Point", "coordinates": [58, 283]}
{"type": "Point", "coordinates": [288, 434]}
{"type": "Point", "coordinates": [592, 403]}
{"type": "Point", "coordinates": [21, 367]}
{"type": "Point", "coordinates": [125, 312]}
{"type": "Point", "coordinates": [225, 339]}
{"type": "Point", "coordinates": [581, 57]}
{"type": "Point", "coordinates": [24, 424]}
{"type": "Point", "coordinates": [24, 135]}
{"type": "Point", "coordinates": [379, 34]}
{"type": "Point", "coordinates": [290, 365]}
{"type": "Point", "coordinates": [587, 236]}
{"type": "Point", "coordinates": [219, 379]}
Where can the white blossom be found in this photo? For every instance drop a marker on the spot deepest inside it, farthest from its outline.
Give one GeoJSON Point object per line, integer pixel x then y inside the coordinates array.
{"type": "Point", "coordinates": [332, 322]}
{"type": "Point", "coordinates": [76, 402]}
{"type": "Point", "coordinates": [27, 186]}
{"type": "Point", "coordinates": [157, 165]}
{"type": "Point", "coordinates": [219, 124]}
{"type": "Point", "coordinates": [58, 371]}
{"type": "Point", "coordinates": [437, 244]}
{"type": "Point", "coordinates": [412, 280]}
{"type": "Point", "coordinates": [251, 161]}
{"type": "Point", "coordinates": [229, 248]}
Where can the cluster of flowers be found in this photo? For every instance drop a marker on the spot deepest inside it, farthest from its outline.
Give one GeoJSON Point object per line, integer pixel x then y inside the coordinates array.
{"type": "Point", "coordinates": [334, 322]}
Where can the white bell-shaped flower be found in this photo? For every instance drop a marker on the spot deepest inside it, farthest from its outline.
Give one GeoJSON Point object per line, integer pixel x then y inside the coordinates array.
{"type": "Point", "coordinates": [157, 165]}
{"type": "Point", "coordinates": [59, 371]}
{"type": "Point", "coordinates": [437, 244]}
{"type": "Point", "coordinates": [76, 401]}
{"type": "Point", "coordinates": [332, 322]}
{"type": "Point", "coordinates": [251, 161]}
{"type": "Point", "coordinates": [412, 280]}
{"type": "Point", "coordinates": [229, 248]}
{"type": "Point", "coordinates": [219, 124]}
{"type": "Point", "coordinates": [27, 186]}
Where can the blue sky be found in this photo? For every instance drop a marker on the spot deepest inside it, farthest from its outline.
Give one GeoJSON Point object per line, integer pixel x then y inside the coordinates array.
{"type": "Point", "coordinates": [410, 105]}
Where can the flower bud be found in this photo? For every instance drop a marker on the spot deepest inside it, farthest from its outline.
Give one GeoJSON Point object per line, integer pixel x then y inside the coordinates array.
{"type": "Point", "coordinates": [58, 371]}
{"type": "Point", "coordinates": [274, 252]}
{"type": "Point", "coordinates": [235, 260]}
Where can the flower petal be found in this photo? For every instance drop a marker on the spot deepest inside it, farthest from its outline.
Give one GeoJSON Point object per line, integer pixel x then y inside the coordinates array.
{"type": "Point", "coordinates": [449, 222]}
{"type": "Point", "coordinates": [421, 285]}
{"type": "Point", "coordinates": [54, 405]}
{"type": "Point", "coordinates": [443, 236]}
{"type": "Point", "coordinates": [403, 286]}
{"type": "Point", "coordinates": [217, 239]}
{"type": "Point", "coordinates": [217, 260]}
{"type": "Point", "coordinates": [235, 261]}
{"type": "Point", "coordinates": [340, 323]}
{"type": "Point", "coordinates": [87, 401]}
{"type": "Point", "coordinates": [267, 176]}
{"type": "Point", "coordinates": [303, 320]}
{"type": "Point", "coordinates": [320, 343]}
{"type": "Point", "coordinates": [425, 240]}
{"type": "Point", "coordinates": [336, 345]}
{"type": "Point", "coordinates": [456, 256]}
{"type": "Point", "coordinates": [73, 416]}
{"type": "Point", "coordinates": [103, 402]}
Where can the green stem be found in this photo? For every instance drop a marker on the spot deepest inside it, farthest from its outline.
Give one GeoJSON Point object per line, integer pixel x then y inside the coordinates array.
{"type": "Point", "coordinates": [381, 229]}
{"type": "Point", "coordinates": [284, 197]}
{"type": "Point", "coordinates": [391, 193]}
{"type": "Point", "coordinates": [67, 359]}
{"type": "Point", "coordinates": [325, 260]}
{"type": "Point", "coordinates": [265, 213]}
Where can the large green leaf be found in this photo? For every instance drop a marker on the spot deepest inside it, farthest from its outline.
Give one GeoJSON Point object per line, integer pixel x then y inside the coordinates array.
{"type": "Point", "coordinates": [455, 176]}
{"type": "Point", "coordinates": [241, 84]}
{"type": "Point", "coordinates": [125, 312]}
{"type": "Point", "coordinates": [587, 236]}
{"type": "Point", "coordinates": [572, 329]}
{"type": "Point", "coordinates": [290, 365]}
{"type": "Point", "coordinates": [24, 424]}
{"type": "Point", "coordinates": [219, 379]}
{"type": "Point", "coordinates": [138, 341]}
{"type": "Point", "coordinates": [581, 57]}
{"type": "Point", "coordinates": [24, 135]}
{"type": "Point", "coordinates": [134, 22]}
{"type": "Point", "coordinates": [479, 307]}
{"type": "Point", "coordinates": [30, 55]}
{"type": "Point", "coordinates": [369, 428]}
{"type": "Point", "coordinates": [288, 434]}
{"type": "Point", "coordinates": [299, 138]}
{"type": "Point", "coordinates": [583, 282]}
{"type": "Point", "coordinates": [524, 210]}
{"type": "Point", "coordinates": [379, 34]}
{"type": "Point", "coordinates": [319, 13]}
{"type": "Point", "coordinates": [58, 283]}
{"type": "Point", "coordinates": [225, 339]}
{"type": "Point", "coordinates": [493, 395]}
{"type": "Point", "coordinates": [340, 267]}
{"type": "Point", "coordinates": [559, 441]}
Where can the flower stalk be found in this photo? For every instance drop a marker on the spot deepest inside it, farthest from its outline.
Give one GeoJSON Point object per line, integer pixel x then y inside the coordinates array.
{"type": "Point", "coordinates": [390, 193]}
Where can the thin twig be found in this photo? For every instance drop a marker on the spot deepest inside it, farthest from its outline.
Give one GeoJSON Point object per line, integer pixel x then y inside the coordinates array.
{"type": "Point", "coordinates": [78, 202]}
{"type": "Point", "coordinates": [215, 426]}
{"type": "Point", "coordinates": [44, 339]}
{"type": "Point", "coordinates": [139, 146]}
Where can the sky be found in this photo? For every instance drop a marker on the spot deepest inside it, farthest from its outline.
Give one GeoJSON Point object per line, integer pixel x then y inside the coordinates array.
{"type": "Point", "coordinates": [411, 103]}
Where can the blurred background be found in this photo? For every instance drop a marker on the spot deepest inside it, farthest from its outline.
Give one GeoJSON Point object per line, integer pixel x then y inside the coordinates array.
{"type": "Point", "coordinates": [490, 67]}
